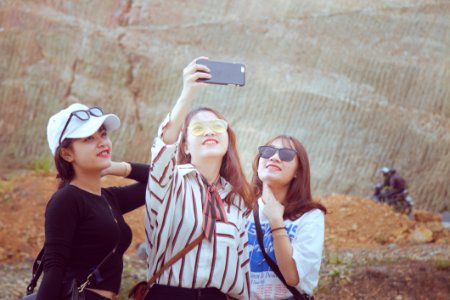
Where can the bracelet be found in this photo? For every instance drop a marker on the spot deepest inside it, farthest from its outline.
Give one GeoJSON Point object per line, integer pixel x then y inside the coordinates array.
{"type": "Point", "coordinates": [278, 228]}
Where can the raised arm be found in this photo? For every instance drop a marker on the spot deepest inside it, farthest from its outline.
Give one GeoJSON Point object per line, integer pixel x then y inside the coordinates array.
{"type": "Point", "coordinates": [163, 176]}
{"type": "Point", "coordinates": [165, 145]}
{"type": "Point", "coordinates": [191, 74]}
{"type": "Point", "coordinates": [132, 196]}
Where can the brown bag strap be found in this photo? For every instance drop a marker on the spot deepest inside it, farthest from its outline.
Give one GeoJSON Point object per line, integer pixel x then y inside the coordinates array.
{"type": "Point", "coordinates": [140, 290]}
{"type": "Point", "coordinates": [175, 258]}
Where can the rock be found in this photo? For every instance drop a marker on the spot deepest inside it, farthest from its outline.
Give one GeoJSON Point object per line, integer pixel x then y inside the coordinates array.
{"type": "Point", "coordinates": [422, 235]}
{"type": "Point", "coordinates": [392, 246]}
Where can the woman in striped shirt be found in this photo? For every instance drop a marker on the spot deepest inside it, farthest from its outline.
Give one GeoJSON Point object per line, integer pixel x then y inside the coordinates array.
{"type": "Point", "coordinates": [197, 187]}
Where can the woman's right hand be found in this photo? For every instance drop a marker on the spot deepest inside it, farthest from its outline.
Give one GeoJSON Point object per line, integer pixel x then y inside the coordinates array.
{"type": "Point", "coordinates": [191, 73]}
{"type": "Point", "coordinates": [273, 209]}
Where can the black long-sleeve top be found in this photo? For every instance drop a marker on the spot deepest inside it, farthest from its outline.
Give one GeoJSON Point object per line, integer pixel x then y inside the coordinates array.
{"type": "Point", "coordinates": [80, 231]}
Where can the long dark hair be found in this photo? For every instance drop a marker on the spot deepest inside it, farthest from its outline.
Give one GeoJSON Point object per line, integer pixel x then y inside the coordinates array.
{"type": "Point", "coordinates": [298, 198]}
{"type": "Point", "coordinates": [230, 169]}
{"type": "Point", "coordinates": [66, 172]}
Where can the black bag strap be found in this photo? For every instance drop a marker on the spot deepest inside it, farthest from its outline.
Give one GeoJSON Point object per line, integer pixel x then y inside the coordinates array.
{"type": "Point", "coordinates": [38, 265]}
{"type": "Point", "coordinates": [270, 262]}
{"type": "Point", "coordinates": [96, 271]}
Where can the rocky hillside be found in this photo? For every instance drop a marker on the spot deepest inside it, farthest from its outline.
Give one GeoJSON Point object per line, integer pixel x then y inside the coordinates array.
{"type": "Point", "coordinates": [361, 83]}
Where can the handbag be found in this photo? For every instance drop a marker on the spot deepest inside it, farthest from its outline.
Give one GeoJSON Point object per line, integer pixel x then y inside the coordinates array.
{"type": "Point", "coordinates": [272, 264]}
{"type": "Point", "coordinates": [140, 290]}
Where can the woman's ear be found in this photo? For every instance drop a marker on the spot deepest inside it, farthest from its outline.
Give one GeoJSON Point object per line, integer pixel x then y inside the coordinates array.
{"type": "Point", "coordinates": [66, 154]}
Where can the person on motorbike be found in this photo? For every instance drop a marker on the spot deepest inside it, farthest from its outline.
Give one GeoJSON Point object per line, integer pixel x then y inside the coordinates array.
{"type": "Point", "coordinates": [392, 185]}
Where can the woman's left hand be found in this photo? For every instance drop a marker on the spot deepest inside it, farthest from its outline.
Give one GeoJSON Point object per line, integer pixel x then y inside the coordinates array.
{"type": "Point", "coordinates": [273, 209]}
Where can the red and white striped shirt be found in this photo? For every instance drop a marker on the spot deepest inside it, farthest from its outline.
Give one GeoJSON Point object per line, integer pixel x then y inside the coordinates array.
{"type": "Point", "coordinates": [174, 218]}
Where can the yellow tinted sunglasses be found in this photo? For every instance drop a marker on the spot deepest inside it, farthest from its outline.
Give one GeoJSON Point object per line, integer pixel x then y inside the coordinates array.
{"type": "Point", "coordinates": [199, 128]}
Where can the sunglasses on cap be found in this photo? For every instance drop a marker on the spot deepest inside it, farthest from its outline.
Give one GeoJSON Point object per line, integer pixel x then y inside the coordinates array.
{"type": "Point", "coordinates": [199, 128]}
{"type": "Point", "coordinates": [83, 115]}
{"type": "Point", "coordinates": [285, 154]}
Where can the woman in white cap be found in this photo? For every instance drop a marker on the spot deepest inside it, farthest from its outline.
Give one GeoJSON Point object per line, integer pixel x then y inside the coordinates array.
{"type": "Point", "coordinates": [85, 232]}
{"type": "Point", "coordinates": [286, 228]}
{"type": "Point", "coordinates": [197, 192]}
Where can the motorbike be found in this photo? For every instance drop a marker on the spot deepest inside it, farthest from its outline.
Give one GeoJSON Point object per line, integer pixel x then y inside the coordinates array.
{"type": "Point", "coordinates": [401, 202]}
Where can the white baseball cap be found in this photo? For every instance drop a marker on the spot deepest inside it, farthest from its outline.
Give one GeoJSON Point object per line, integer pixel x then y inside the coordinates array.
{"type": "Point", "coordinates": [77, 128]}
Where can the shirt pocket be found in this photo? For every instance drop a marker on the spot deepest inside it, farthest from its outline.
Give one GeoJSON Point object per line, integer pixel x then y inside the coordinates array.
{"type": "Point", "coordinates": [227, 234]}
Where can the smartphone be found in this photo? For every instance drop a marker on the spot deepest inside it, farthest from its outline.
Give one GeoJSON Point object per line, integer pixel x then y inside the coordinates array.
{"type": "Point", "coordinates": [224, 73]}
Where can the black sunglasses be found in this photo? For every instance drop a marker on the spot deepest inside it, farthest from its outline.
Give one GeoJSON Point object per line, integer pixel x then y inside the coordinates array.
{"type": "Point", "coordinates": [83, 115]}
{"type": "Point", "coordinates": [285, 154]}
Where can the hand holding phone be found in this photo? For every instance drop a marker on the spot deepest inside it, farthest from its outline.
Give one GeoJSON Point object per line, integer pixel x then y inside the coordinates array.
{"type": "Point", "coordinates": [224, 73]}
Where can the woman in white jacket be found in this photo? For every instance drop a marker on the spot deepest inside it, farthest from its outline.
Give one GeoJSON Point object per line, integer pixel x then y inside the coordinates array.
{"type": "Point", "coordinates": [291, 223]}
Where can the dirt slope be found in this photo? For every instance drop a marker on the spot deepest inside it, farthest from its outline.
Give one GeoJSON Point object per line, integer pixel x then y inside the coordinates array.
{"type": "Point", "coordinates": [351, 222]}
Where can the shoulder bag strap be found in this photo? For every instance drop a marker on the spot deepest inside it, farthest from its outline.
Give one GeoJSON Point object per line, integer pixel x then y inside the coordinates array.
{"type": "Point", "coordinates": [96, 272]}
{"type": "Point", "coordinates": [38, 266]}
{"type": "Point", "coordinates": [269, 260]}
{"type": "Point", "coordinates": [139, 291]}
{"type": "Point", "coordinates": [176, 257]}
